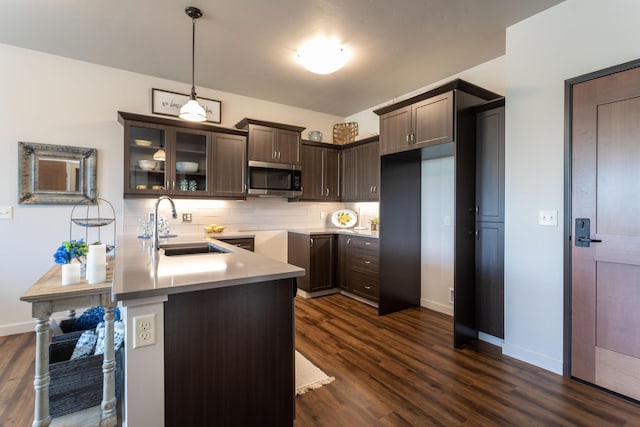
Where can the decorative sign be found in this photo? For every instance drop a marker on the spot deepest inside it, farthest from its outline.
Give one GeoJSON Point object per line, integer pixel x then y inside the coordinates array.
{"type": "Point", "coordinates": [168, 103]}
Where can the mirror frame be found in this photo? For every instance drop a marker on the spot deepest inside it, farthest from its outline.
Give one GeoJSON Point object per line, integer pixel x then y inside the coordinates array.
{"type": "Point", "coordinates": [28, 154]}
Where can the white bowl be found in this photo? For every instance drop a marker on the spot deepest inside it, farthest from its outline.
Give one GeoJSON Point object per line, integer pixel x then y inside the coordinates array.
{"type": "Point", "coordinates": [187, 166]}
{"type": "Point", "coordinates": [147, 165]}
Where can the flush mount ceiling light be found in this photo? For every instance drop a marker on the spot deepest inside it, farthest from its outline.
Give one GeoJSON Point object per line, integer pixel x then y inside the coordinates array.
{"type": "Point", "coordinates": [322, 55]}
{"type": "Point", "coordinates": [193, 111]}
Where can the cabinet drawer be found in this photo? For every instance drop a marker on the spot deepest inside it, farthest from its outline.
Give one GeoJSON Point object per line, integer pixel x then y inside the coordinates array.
{"type": "Point", "coordinates": [365, 261]}
{"type": "Point", "coordinates": [363, 243]}
{"type": "Point", "coordinates": [365, 285]}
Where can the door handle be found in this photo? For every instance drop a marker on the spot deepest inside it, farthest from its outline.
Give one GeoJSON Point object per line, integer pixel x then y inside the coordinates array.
{"type": "Point", "coordinates": [583, 233]}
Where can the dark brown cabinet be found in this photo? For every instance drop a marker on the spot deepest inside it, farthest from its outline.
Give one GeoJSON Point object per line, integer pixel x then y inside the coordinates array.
{"type": "Point", "coordinates": [241, 242]}
{"type": "Point", "coordinates": [361, 172]}
{"type": "Point", "coordinates": [316, 254]}
{"type": "Point", "coordinates": [166, 156]}
{"type": "Point", "coordinates": [229, 159]}
{"type": "Point", "coordinates": [423, 123]}
{"type": "Point", "coordinates": [272, 142]}
{"type": "Point", "coordinates": [358, 261]}
{"type": "Point", "coordinates": [320, 173]}
{"type": "Point", "coordinates": [434, 124]}
{"type": "Point", "coordinates": [489, 259]}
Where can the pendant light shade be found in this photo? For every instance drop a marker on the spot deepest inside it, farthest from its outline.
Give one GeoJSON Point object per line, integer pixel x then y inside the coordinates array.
{"type": "Point", "coordinates": [192, 111]}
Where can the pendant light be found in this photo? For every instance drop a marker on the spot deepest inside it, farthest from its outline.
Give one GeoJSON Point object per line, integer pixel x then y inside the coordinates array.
{"type": "Point", "coordinates": [193, 111]}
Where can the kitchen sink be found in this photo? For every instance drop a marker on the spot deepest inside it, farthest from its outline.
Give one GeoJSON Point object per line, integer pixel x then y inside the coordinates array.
{"type": "Point", "coordinates": [192, 248]}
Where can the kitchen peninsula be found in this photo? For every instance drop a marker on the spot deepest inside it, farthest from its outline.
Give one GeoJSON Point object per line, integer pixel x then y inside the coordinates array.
{"type": "Point", "coordinates": [224, 335]}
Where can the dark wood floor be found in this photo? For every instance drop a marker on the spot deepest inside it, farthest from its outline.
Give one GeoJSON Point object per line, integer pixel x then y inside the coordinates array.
{"type": "Point", "coordinates": [396, 370]}
{"type": "Point", "coordinates": [402, 370]}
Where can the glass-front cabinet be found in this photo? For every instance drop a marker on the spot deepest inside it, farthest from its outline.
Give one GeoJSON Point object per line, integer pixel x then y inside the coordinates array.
{"type": "Point", "coordinates": [166, 160]}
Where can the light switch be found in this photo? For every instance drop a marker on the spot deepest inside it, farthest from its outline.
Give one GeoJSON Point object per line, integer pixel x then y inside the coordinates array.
{"type": "Point", "coordinates": [548, 218]}
{"type": "Point", "coordinates": [6, 212]}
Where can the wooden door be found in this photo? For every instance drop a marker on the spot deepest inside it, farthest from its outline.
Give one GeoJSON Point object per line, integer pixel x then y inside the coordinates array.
{"type": "Point", "coordinates": [433, 120]}
{"type": "Point", "coordinates": [229, 165]}
{"type": "Point", "coordinates": [311, 172]}
{"type": "Point", "coordinates": [605, 272]}
{"type": "Point", "coordinates": [349, 174]}
{"type": "Point", "coordinates": [321, 263]}
{"type": "Point", "coordinates": [331, 174]}
{"type": "Point", "coordinates": [395, 130]}
{"type": "Point", "coordinates": [287, 147]}
{"type": "Point", "coordinates": [261, 143]}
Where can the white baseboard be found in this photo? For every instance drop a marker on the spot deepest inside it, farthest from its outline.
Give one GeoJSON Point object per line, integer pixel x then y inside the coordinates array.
{"type": "Point", "coordinates": [498, 342]}
{"type": "Point", "coordinates": [17, 328]}
{"type": "Point", "coordinates": [436, 306]}
{"type": "Point", "coordinates": [533, 358]}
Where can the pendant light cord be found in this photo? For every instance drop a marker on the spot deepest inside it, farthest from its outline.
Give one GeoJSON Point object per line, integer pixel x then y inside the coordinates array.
{"type": "Point", "coordinates": [193, 58]}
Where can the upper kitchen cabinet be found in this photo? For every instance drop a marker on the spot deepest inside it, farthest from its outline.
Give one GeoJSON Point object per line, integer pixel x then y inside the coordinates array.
{"type": "Point", "coordinates": [360, 170]}
{"type": "Point", "coordinates": [321, 174]}
{"type": "Point", "coordinates": [166, 156]}
{"type": "Point", "coordinates": [426, 122]}
{"type": "Point", "coordinates": [490, 162]}
{"type": "Point", "coordinates": [272, 142]}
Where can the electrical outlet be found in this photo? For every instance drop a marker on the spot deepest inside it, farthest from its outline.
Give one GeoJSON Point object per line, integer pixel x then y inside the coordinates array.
{"type": "Point", "coordinates": [186, 217]}
{"type": "Point", "coordinates": [145, 330]}
{"type": "Point", "coordinates": [450, 295]}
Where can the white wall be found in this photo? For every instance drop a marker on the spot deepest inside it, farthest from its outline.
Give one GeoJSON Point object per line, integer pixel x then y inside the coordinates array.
{"type": "Point", "coordinates": [54, 100]}
{"type": "Point", "coordinates": [574, 38]}
{"type": "Point", "coordinates": [437, 234]}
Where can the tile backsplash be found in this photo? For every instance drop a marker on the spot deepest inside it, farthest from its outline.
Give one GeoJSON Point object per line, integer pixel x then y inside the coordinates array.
{"type": "Point", "coordinates": [253, 214]}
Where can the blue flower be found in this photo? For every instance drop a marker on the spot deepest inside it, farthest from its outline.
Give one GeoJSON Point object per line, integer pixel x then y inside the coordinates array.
{"type": "Point", "coordinates": [69, 250]}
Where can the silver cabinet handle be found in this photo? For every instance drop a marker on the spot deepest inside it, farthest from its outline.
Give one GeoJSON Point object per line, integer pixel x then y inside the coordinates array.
{"type": "Point", "coordinates": [477, 209]}
{"type": "Point", "coordinates": [328, 191]}
{"type": "Point", "coordinates": [348, 241]}
{"type": "Point", "coordinates": [367, 287]}
{"type": "Point", "coordinates": [367, 262]}
{"type": "Point", "coordinates": [311, 240]}
{"type": "Point", "coordinates": [375, 189]}
{"type": "Point", "coordinates": [279, 155]}
{"type": "Point", "coordinates": [367, 243]}
{"type": "Point", "coordinates": [408, 138]}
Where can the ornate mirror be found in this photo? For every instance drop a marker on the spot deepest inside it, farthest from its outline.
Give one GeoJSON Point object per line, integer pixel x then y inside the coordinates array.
{"type": "Point", "coordinates": [56, 174]}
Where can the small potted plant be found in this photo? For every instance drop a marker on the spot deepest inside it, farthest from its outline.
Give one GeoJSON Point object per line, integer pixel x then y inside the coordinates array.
{"type": "Point", "coordinates": [374, 223]}
{"type": "Point", "coordinates": [66, 253]}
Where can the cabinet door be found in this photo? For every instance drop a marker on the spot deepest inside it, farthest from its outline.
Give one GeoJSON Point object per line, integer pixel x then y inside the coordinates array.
{"type": "Point", "coordinates": [331, 174]}
{"type": "Point", "coordinates": [490, 165]}
{"type": "Point", "coordinates": [312, 170]}
{"type": "Point", "coordinates": [321, 268]}
{"type": "Point", "coordinates": [261, 143]}
{"type": "Point", "coordinates": [368, 171]}
{"type": "Point", "coordinates": [287, 147]}
{"type": "Point", "coordinates": [343, 261]}
{"type": "Point", "coordinates": [395, 131]}
{"type": "Point", "coordinates": [229, 165]}
{"type": "Point", "coordinates": [433, 120]}
{"type": "Point", "coordinates": [489, 278]}
{"type": "Point", "coordinates": [348, 169]}
{"type": "Point", "coordinates": [143, 174]}
{"type": "Point", "coordinates": [189, 163]}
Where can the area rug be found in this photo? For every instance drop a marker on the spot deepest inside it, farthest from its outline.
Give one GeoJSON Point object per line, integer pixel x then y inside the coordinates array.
{"type": "Point", "coordinates": [309, 376]}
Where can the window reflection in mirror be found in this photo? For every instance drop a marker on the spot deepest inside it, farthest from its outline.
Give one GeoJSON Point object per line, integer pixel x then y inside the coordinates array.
{"type": "Point", "coordinates": [56, 174]}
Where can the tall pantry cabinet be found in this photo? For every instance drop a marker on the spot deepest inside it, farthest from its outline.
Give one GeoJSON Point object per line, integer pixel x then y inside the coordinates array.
{"type": "Point", "coordinates": [489, 270]}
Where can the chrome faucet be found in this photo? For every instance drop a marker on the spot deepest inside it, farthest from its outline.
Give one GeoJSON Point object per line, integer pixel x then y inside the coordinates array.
{"type": "Point", "coordinates": [156, 241]}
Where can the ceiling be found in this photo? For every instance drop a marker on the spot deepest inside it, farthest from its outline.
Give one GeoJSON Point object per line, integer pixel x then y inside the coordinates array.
{"type": "Point", "coordinates": [247, 47]}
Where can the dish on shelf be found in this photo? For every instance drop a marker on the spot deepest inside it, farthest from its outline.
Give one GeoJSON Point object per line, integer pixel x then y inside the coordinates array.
{"type": "Point", "coordinates": [147, 165]}
{"type": "Point", "coordinates": [187, 166]}
{"type": "Point", "coordinates": [344, 218]}
{"type": "Point", "coordinates": [142, 142]}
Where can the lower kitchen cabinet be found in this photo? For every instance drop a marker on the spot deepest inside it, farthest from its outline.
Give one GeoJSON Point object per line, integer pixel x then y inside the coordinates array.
{"type": "Point", "coordinates": [316, 255]}
{"type": "Point", "coordinates": [358, 263]}
{"type": "Point", "coordinates": [489, 278]}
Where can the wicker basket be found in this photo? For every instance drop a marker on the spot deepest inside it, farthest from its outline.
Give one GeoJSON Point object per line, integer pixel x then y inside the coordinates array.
{"type": "Point", "coordinates": [344, 133]}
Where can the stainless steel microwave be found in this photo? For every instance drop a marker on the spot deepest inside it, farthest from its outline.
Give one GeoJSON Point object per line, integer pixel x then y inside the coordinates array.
{"type": "Point", "coordinates": [274, 180]}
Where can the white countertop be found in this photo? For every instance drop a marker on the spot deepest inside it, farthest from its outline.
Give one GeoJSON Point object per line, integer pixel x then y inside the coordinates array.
{"type": "Point", "coordinates": [334, 230]}
{"type": "Point", "coordinates": [141, 272]}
